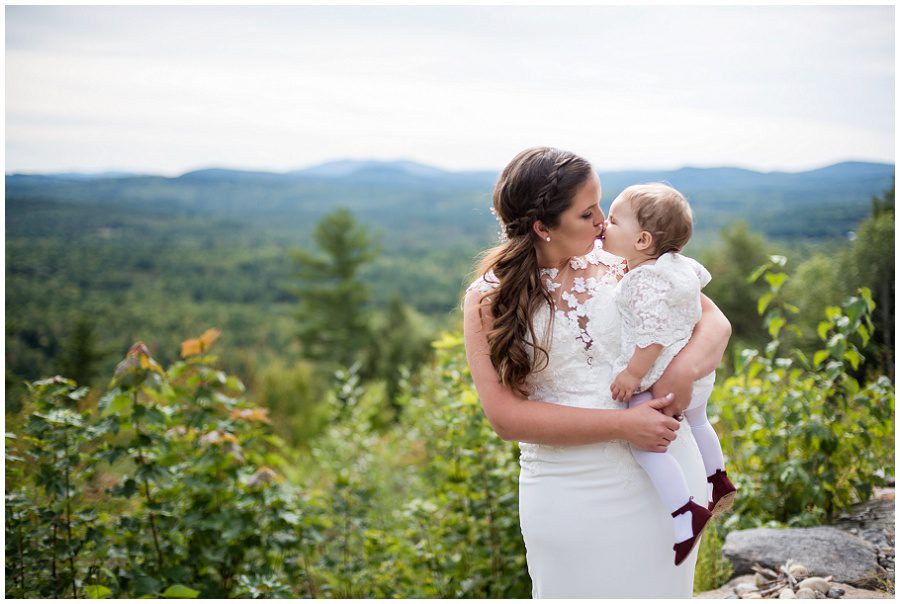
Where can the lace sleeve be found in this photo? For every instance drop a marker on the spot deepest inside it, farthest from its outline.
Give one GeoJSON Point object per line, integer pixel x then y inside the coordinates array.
{"type": "Point", "coordinates": [699, 270]}
{"type": "Point", "coordinates": [484, 284]}
{"type": "Point", "coordinates": [650, 319]}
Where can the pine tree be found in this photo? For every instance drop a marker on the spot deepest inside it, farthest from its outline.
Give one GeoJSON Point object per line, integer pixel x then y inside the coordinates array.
{"type": "Point", "coordinates": [333, 325]}
{"type": "Point", "coordinates": [80, 355]}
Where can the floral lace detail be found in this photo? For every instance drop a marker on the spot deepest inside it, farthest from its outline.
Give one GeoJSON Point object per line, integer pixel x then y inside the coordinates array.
{"type": "Point", "coordinates": [591, 279]}
{"type": "Point", "coordinates": [484, 283]}
{"type": "Point", "coordinates": [659, 304]}
{"type": "Point", "coordinates": [582, 340]}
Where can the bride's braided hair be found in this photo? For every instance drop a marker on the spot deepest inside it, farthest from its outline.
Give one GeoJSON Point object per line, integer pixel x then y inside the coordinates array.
{"type": "Point", "coordinates": [538, 184]}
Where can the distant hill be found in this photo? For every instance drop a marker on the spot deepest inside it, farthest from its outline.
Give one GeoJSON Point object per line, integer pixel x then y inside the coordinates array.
{"type": "Point", "coordinates": [400, 171]}
{"type": "Point", "coordinates": [157, 259]}
{"type": "Point", "coordinates": [420, 204]}
{"type": "Point", "coordinates": [350, 167]}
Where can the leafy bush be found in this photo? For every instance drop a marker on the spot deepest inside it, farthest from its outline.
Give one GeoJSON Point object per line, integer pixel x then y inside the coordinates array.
{"type": "Point", "coordinates": [193, 504]}
{"type": "Point", "coordinates": [713, 568]}
{"type": "Point", "coordinates": [173, 485]}
{"type": "Point", "coordinates": [804, 438]}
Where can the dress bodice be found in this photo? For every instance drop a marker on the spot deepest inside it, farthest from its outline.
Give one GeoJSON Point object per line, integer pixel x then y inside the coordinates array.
{"type": "Point", "coordinates": [582, 338]}
{"type": "Point", "coordinates": [580, 333]}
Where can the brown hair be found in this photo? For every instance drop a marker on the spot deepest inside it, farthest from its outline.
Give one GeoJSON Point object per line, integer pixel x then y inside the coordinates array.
{"type": "Point", "coordinates": [663, 212]}
{"type": "Point", "coordinates": [538, 184]}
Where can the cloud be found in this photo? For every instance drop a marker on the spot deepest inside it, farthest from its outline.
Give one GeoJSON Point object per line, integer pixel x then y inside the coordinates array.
{"type": "Point", "coordinates": [171, 88]}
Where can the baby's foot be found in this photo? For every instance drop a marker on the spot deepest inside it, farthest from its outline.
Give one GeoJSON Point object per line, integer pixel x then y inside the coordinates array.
{"type": "Point", "coordinates": [723, 493]}
{"type": "Point", "coordinates": [699, 517]}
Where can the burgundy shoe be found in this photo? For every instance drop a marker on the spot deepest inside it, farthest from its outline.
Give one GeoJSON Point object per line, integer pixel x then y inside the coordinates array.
{"type": "Point", "coordinates": [723, 493]}
{"type": "Point", "coordinates": [699, 517]}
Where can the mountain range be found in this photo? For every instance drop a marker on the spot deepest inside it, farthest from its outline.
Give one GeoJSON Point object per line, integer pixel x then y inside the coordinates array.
{"type": "Point", "coordinates": [419, 204]}
{"type": "Point", "coordinates": [405, 170]}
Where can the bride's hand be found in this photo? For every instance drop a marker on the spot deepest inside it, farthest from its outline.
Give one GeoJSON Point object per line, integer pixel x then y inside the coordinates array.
{"type": "Point", "coordinates": [647, 428]}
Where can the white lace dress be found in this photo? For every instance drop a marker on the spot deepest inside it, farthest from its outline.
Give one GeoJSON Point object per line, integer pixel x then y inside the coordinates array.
{"type": "Point", "coordinates": [660, 304]}
{"type": "Point", "coordinates": [593, 525]}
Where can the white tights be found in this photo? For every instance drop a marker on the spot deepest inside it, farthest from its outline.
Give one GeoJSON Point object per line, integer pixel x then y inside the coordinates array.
{"type": "Point", "coordinates": [665, 472]}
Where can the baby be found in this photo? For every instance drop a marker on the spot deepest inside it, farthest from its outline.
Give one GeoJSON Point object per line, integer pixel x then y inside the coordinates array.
{"type": "Point", "coordinates": [659, 302]}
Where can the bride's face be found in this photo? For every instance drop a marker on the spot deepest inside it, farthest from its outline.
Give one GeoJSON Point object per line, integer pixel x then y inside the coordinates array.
{"type": "Point", "coordinates": [582, 224]}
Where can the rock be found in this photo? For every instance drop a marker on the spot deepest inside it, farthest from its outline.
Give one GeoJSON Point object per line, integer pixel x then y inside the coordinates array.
{"type": "Point", "coordinates": [798, 571]}
{"type": "Point", "coordinates": [873, 521]}
{"type": "Point", "coordinates": [834, 592]}
{"type": "Point", "coordinates": [786, 594]}
{"type": "Point", "coordinates": [855, 593]}
{"type": "Point", "coordinates": [806, 593]}
{"type": "Point", "coordinates": [726, 592]}
{"type": "Point", "coordinates": [742, 588]}
{"type": "Point", "coordinates": [822, 550]}
{"type": "Point", "coordinates": [816, 583]}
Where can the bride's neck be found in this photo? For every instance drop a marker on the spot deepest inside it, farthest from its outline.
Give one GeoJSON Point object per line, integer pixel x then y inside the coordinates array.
{"type": "Point", "coordinates": [546, 259]}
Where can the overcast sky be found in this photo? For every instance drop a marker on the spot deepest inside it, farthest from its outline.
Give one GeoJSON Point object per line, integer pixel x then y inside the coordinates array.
{"type": "Point", "coordinates": [167, 89]}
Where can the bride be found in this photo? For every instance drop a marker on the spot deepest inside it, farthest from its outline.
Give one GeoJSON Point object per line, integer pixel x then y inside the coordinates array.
{"type": "Point", "coordinates": [541, 333]}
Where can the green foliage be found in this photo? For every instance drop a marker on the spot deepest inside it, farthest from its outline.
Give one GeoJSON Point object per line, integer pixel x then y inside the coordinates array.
{"type": "Point", "coordinates": [401, 343]}
{"type": "Point", "coordinates": [466, 520]}
{"type": "Point", "coordinates": [173, 485]}
{"type": "Point", "coordinates": [713, 568]}
{"type": "Point", "coordinates": [424, 509]}
{"type": "Point", "coordinates": [738, 252]}
{"type": "Point", "coordinates": [80, 356]}
{"type": "Point", "coordinates": [293, 393]}
{"type": "Point", "coordinates": [332, 298]}
{"type": "Point", "coordinates": [815, 285]}
{"type": "Point", "coordinates": [870, 263]}
{"type": "Point", "coordinates": [804, 438]}
{"type": "Point", "coordinates": [165, 488]}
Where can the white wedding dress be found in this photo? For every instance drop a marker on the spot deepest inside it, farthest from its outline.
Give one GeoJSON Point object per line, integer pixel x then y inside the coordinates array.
{"type": "Point", "coordinates": [593, 525]}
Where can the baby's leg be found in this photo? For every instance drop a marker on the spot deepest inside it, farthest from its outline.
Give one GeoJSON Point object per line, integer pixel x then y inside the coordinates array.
{"type": "Point", "coordinates": [707, 440]}
{"type": "Point", "coordinates": [667, 477]}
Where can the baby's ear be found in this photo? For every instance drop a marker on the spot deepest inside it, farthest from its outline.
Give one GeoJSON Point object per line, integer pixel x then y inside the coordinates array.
{"type": "Point", "coordinates": [645, 241]}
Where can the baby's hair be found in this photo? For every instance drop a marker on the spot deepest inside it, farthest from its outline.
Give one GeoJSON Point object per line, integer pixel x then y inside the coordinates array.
{"type": "Point", "coordinates": [664, 213]}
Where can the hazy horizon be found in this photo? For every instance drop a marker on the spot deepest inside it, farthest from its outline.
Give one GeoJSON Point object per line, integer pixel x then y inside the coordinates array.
{"type": "Point", "coordinates": [171, 89]}
{"type": "Point", "coordinates": [406, 159]}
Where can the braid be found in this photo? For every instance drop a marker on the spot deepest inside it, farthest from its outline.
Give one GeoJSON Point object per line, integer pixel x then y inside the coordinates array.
{"type": "Point", "coordinates": [549, 190]}
{"type": "Point", "coordinates": [538, 184]}
{"type": "Point", "coordinates": [522, 226]}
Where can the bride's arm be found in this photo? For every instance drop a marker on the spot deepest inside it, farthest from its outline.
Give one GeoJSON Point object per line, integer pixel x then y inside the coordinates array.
{"type": "Point", "coordinates": [698, 358]}
{"type": "Point", "coordinates": [514, 417]}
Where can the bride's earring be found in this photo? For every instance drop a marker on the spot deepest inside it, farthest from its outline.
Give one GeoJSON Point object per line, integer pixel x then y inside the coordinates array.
{"type": "Point", "coordinates": [548, 240]}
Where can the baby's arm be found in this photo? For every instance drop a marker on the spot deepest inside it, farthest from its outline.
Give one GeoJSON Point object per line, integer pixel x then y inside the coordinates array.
{"type": "Point", "coordinates": [629, 380]}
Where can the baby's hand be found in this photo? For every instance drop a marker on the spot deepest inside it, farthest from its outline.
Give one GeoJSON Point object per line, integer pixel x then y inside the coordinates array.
{"type": "Point", "coordinates": [624, 386]}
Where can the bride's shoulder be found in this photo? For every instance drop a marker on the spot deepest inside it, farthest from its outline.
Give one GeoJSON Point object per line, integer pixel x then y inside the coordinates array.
{"type": "Point", "coordinates": [484, 283]}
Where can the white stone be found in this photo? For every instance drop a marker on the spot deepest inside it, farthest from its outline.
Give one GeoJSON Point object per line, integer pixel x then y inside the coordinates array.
{"type": "Point", "coordinates": [787, 594]}
{"type": "Point", "coordinates": [817, 584]}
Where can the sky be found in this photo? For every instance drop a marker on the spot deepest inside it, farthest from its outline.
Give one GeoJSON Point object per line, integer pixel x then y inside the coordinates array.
{"type": "Point", "coordinates": [168, 89]}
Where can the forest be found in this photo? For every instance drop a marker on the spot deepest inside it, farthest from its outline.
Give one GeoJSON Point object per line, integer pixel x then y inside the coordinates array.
{"type": "Point", "coordinates": [234, 384]}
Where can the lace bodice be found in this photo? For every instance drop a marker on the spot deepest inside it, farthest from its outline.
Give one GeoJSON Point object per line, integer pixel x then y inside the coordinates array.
{"type": "Point", "coordinates": [659, 304]}
{"type": "Point", "coordinates": [582, 339]}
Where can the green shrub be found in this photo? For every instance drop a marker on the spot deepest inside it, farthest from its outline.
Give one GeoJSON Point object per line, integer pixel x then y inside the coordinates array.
{"type": "Point", "coordinates": [803, 438]}
{"type": "Point", "coordinates": [193, 505]}
{"type": "Point", "coordinates": [713, 568]}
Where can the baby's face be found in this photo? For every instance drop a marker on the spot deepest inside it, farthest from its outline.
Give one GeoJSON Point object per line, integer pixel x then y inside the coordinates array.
{"type": "Point", "coordinates": [622, 229]}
